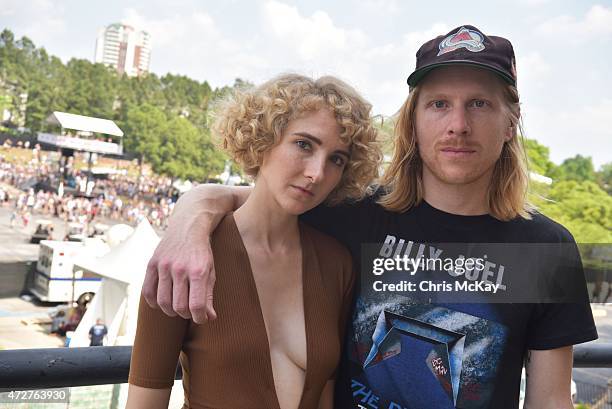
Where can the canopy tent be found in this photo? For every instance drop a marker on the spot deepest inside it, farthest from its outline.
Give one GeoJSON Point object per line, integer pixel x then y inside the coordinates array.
{"type": "Point", "coordinates": [116, 302]}
{"type": "Point", "coordinates": [84, 123]}
{"type": "Point", "coordinates": [122, 270]}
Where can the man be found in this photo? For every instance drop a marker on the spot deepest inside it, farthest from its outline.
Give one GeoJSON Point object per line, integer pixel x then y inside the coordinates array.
{"type": "Point", "coordinates": [97, 332]}
{"type": "Point", "coordinates": [457, 180]}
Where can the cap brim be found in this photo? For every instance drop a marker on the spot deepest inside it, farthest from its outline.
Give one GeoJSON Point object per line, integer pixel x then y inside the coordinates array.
{"type": "Point", "coordinates": [418, 75]}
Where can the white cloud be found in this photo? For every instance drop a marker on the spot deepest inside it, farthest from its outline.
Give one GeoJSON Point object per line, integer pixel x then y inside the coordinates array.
{"type": "Point", "coordinates": [283, 39]}
{"type": "Point", "coordinates": [531, 68]}
{"type": "Point", "coordinates": [597, 23]}
{"type": "Point", "coordinates": [40, 20]}
{"type": "Point", "coordinates": [311, 37]}
{"type": "Point", "coordinates": [379, 6]}
{"type": "Point", "coordinates": [193, 45]}
{"type": "Point", "coordinates": [15, 7]}
{"type": "Point", "coordinates": [416, 38]}
{"type": "Point", "coordinates": [533, 3]}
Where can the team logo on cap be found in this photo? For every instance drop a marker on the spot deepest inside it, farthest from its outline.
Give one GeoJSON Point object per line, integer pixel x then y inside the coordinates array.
{"type": "Point", "coordinates": [464, 38]}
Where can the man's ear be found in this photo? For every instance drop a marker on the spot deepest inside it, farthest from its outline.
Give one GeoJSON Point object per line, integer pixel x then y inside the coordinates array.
{"type": "Point", "coordinates": [510, 132]}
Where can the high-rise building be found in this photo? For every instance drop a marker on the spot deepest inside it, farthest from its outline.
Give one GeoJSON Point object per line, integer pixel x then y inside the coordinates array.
{"type": "Point", "coordinates": [125, 49]}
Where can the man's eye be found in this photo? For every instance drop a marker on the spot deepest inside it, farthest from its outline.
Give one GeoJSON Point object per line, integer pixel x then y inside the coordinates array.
{"type": "Point", "coordinates": [439, 104]}
{"type": "Point", "coordinates": [303, 144]}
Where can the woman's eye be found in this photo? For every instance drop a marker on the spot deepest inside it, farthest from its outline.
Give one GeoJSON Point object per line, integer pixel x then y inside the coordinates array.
{"type": "Point", "coordinates": [338, 160]}
{"type": "Point", "coordinates": [303, 144]}
{"type": "Point", "coordinates": [479, 103]}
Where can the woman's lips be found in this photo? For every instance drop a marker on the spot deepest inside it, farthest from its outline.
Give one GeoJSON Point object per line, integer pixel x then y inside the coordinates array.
{"type": "Point", "coordinates": [303, 191]}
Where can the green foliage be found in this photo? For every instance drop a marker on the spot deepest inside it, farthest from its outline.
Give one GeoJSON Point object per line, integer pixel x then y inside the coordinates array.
{"type": "Point", "coordinates": [574, 199]}
{"type": "Point", "coordinates": [578, 168]}
{"type": "Point", "coordinates": [604, 177]}
{"type": "Point", "coordinates": [582, 207]}
{"type": "Point", "coordinates": [144, 128]}
{"type": "Point", "coordinates": [185, 152]}
{"type": "Point", "coordinates": [538, 157]}
{"type": "Point", "coordinates": [385, 127]}
{"type": "Point", "coordinates": [155, 113]}
{"type": "Point", "coordinates": [5, 102]}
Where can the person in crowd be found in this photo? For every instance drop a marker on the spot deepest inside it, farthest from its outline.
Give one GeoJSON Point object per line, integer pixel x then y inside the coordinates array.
{"type": "Point", "coordinates": [97, 333]}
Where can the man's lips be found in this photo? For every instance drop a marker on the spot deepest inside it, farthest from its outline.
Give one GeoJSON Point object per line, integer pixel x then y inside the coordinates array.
{"type": "Point", "coordinates": [457, 152]}
{"type": "Point", "coordinates": [302, 190]}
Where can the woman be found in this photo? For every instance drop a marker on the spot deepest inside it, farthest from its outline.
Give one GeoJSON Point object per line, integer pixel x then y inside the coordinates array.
{"type": "Point", "coordinates": [304, 142]}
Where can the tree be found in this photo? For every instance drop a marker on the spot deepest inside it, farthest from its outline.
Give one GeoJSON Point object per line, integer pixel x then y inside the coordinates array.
{"type": "Point", "coordinates": [604, 177]}
{"type": "Point", "coordinates": [583, 208]}
{"type": "Point", "coordinates": [538, 157]}
{"type": "Point", "coordinates": [7, 38]}
{"type": "Point", "coordinates": [578, 168]}
{"type": "Point", "coordinates": [144, 130]}
{"type": "Point", "coordinates": [187, 153]}
{"type": "Point", "coordinates": [385, 127]}
{"type": "Point", "coordinates": [5, 103]}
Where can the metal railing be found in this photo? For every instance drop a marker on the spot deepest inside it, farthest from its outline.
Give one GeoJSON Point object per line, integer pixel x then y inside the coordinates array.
{"type": "Point", "coordinates": [62, 367]}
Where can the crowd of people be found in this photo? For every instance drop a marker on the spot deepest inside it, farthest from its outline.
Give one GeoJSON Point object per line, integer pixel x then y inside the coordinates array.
{"type": "Point", "coordinates": [32, 188]}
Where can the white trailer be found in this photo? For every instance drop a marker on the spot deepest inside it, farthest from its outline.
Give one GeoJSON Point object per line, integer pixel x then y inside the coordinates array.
{"type": "Point", "coordinates": [55, 280]}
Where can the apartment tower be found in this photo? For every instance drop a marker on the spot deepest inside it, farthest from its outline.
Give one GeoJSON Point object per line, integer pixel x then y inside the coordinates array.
{"type": "Point", "coordinates": [123, 48]}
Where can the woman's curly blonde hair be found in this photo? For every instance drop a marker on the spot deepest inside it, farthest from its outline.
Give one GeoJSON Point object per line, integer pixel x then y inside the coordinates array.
{"type": "Point", "coordinates": [250, 122]}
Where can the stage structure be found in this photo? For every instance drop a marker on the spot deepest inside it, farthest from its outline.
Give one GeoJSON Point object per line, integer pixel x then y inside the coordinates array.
{"type": "Point", "coordinates": [91, 135]}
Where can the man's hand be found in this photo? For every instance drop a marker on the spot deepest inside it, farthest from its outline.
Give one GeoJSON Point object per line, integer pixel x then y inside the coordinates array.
{"type": "Point", "coordinates": [180, 275]}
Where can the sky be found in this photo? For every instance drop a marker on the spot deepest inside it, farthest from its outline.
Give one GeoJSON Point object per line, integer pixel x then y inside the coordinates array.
{"type": "Point", "coordinates": [563, 48]}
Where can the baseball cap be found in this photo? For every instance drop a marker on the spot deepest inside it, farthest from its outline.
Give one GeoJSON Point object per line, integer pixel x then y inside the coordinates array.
{"type": "Point", "coordinates": [466, 45]}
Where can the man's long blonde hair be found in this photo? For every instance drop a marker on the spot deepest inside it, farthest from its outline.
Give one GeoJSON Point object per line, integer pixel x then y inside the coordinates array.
{"type": "Point", "coordinates": [402, 182]}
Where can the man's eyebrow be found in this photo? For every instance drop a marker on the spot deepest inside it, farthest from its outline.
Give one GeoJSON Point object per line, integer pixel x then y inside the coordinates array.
{"type": "Point", "coordinates": [434, 95]}
{"type": "Point", "coordinates": [319, 142]}
{"type": "Point", "coordinates": [444, 95]}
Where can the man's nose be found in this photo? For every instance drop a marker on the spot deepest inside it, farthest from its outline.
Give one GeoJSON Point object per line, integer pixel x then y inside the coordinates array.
{"type": "Point", "coordinates": [459, 122]}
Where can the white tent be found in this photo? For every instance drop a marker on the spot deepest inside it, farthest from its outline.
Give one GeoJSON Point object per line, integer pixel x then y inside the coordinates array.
{"type": "Point", "coordinates": [122, 270]}
{"type": "Point", "coordinates": [84, 123]}
{"type": "Point", "coordinates": [116, 302]}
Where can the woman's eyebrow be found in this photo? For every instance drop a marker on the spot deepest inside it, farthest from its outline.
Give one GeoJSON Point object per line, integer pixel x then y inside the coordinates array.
{"type": "Point", "coordinates": [309, 136]}
{"type": "Point", "coordinates": [319, 142]}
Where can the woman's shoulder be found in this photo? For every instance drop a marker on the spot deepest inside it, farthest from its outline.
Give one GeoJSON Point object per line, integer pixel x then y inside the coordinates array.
{"type": "Point", "coordinates": [323, 242]}
{"type": "Point", "coordinates": [332, 256]}
{"type": "Point", "coordinates": [333, 259]}
{"type": "Point", "coordinates": [226, 228]}
{"type": "Point", "coordinates": [225, 240]}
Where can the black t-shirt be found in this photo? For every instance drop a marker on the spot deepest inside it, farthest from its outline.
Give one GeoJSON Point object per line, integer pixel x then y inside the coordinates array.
{"type": "Point", "coordinates": [97, 332]}
{"type": "Point", "coordinates": [405, 354]}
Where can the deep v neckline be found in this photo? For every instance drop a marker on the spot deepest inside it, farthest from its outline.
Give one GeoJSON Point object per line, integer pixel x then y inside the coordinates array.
{"type": "Point", "coordinates": [307, 278]}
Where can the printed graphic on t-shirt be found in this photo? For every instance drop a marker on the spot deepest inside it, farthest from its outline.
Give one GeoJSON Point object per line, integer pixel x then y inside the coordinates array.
{"type": "Point", "coordinates": [423, 355]}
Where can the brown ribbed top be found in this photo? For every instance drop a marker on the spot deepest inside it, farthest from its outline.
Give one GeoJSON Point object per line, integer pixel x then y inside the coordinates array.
{"type": "Point", "coordinates": [226, 363]}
